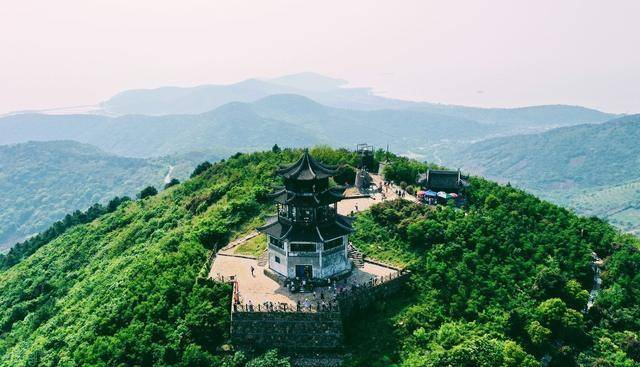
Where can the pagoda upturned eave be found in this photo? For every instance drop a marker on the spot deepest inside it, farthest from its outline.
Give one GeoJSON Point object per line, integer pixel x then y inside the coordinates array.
{"type": "Point", "coordinates": [281, 230]}
{"type": "Point", "coordinates": [307, 169]}
{"type": "Point", "coordinates": [327, 197]}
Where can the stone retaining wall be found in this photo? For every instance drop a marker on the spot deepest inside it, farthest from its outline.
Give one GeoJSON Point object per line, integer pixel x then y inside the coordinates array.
{"type": "Point", "coordinates": [299, 331]}
{"type": "Point", "coordinates": [362, 298]}
{"type": "Point", "coordinates": [287, 331]}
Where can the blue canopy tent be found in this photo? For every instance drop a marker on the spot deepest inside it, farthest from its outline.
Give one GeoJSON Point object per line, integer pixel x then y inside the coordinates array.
{"type": "Point", "coordinates": [431, 194]}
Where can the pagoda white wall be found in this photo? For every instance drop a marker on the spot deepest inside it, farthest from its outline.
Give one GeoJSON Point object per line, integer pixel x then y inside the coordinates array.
{"type": "Point", "coordinates": [280, 268]}
{"type": "Point", "coordinates": [304, 258]}
{"type": "Point", "coordinates": [335, 260]}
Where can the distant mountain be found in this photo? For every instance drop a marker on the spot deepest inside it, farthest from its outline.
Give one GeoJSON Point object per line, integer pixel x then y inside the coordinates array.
{"type": "Point", "coordinates": [203, 98]}
{"type": "Point", "coordinates": [335, 93]}
{"type": "Point", "coordinates": [289, 120]}
{"type": "Point", "coordinates": [40, 182]}
{"type": "Point", "coordinates": [574, 157]}
{"type": "Point", "coordinates": [532, 117]}
{"type": "Point", "coordinates": [309, 81]}
{"type": "Point", "coordinates": [571, 165]}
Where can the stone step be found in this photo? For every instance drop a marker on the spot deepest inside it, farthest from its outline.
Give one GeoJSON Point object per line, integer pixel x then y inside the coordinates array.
{"type": "Point", "coordinates": [263, 259]}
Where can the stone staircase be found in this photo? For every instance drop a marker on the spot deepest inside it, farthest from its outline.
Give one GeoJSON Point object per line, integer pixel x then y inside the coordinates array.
{"type": "Point", "coordinates": [355, 255]}
{"type": "Point", "coordinates": [263, 259]}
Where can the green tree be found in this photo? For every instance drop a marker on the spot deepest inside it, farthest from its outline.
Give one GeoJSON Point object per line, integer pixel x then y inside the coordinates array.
{"type": "Point", "coordinates": [147, 192]}
{"type": "Point", "coordinates": [201, 168]}
{"type": "Point", "coordinates": [173, 182]}
{"type": "Point", "coordinates": [270, 359]}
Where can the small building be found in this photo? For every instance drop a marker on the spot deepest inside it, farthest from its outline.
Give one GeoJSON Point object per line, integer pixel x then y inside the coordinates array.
{"type": "Point", "coordinates": [308, 239]}
{"type": "Point", "coordinates": [443, 180]}
{"type": "Point", "coordinates": [366, 164]}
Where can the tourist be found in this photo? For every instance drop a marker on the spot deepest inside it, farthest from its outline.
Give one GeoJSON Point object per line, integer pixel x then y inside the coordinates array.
{"type": "Point", "coordinates": [298, 305]}
{"type": "Point", "coordinates": [252, 270]}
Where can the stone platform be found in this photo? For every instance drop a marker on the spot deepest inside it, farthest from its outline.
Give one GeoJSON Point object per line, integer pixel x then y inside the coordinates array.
{"type": "Point", "coordinates": [258, 288]}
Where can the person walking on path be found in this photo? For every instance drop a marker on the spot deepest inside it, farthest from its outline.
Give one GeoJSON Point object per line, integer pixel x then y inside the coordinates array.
{"type": "Point", "coordinates": [252, 270]}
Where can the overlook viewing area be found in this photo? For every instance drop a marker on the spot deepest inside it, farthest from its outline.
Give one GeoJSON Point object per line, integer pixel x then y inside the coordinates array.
{"type": "Point", "coordinates": [256, 291]}
{"type": "Point", "coordinates": [230, 266]}
{"type": "Point", "coordinates": [253, 291]}
{"type": "Point", "coordinates": [297, 277]}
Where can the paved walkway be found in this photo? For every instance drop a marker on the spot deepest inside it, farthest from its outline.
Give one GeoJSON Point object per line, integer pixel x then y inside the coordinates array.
{"type": "Point", "coordinates": [345, 207]}
{"type": "Point", "coordinates": [258, 288]}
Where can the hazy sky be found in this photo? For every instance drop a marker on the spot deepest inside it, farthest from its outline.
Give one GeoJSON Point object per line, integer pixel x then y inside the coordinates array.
{"type": "Point", "coordinates": [486, 53]}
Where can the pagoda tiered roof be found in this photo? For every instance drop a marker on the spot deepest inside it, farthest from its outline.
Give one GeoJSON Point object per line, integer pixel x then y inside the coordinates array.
{"type": "Point", "coordinates": [312, 233]}
{"type": "Point", "coordinates": [307, 169]}
{"type": "Point", "coordinates": [326, 197]}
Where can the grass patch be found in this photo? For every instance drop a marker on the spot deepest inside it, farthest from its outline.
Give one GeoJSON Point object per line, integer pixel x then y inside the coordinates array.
{"type": "Point", "coordinates": [253, 247]}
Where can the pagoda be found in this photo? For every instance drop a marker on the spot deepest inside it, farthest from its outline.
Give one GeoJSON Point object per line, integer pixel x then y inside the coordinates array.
{"type": "Point", "coordinates": [308, 239]}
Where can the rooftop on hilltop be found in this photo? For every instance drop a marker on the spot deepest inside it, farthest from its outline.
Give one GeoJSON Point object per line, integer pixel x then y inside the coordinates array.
{"type": "Point", "coordinates": [307, 168]}
{"type": "Point", "coordinates": [443, 180]}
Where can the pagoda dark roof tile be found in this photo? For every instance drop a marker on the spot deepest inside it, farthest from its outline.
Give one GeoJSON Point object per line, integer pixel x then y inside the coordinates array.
{"type": "Point", "coordinates": [314, 233]}
{"type": "Point", "coordinates": [307, 168]}
{"type": "Point", "coordinates": [329, 196]}
{"type": "Point", "coordinates": [341, 227]}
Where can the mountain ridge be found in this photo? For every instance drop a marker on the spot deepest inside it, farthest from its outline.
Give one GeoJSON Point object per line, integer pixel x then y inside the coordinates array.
{"type": "Point", "coordinates": [570, 166]}
{"type": "Point", "coordinates": [325, 90]}
{"type": "Point", "coordinates": [239, 126]}
{"type": "Point", "coordinates": [501, 282]}
{"type": "Point", "coordinates": [43, 181]}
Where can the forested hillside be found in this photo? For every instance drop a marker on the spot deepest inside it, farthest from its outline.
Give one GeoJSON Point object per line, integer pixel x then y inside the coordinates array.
{"type": "Point", "coordinates": [503, 282]}
{"type": "Point", "coordinates": [571, 157]}
{"type": "Point", "coordinates": [572, 166]}
{"type": "Point", "coordinates": [41, 182]}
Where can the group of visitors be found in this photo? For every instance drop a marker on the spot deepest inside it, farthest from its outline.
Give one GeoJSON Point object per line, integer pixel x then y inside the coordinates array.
{"type": "Point", "coordinates": [320, 305]}
{"type": "Point", "coordinates": [323, 300]}
{"type": "Point", "coordinates": [307, 305]}
{"type": "Point", "coordinates": [384, 187]}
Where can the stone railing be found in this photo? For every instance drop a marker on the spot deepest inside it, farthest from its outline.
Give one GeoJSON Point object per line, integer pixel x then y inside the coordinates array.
{"type": "Point", "coordinates": [361, 297]}
{"type": "Point", "coordinates": [325, 299]}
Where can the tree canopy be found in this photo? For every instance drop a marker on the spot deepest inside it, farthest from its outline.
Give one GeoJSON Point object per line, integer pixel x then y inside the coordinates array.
{"type": "Point", "coordinates": [502, 282]}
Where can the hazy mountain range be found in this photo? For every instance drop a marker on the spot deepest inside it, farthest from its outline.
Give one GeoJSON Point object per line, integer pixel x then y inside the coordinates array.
{"type": "Point", "coordinates": [594, 168]}
{"type": "Point", "coordinates": [295, 110]}
{"type": "Point", "coordinates": [330, 92]}
{"type": "Point", "coordinates": [289, 120]}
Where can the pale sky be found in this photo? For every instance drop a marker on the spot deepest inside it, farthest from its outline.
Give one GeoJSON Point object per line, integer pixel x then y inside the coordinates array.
{"type": "Point", "coordinates": [498, 53]}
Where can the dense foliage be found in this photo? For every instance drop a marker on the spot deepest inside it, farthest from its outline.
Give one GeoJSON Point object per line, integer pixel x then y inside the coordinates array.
{"type": "Point", "coordinates": [128, 288]}
{"type": "Point", "coordinates": [28, 247]}
{"type": "Point", "coordinates": [401, 169]}
{"type": "Point", "coordinates": [41, 182]}
{"type": "Point", "coordinates": [503, 282]}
